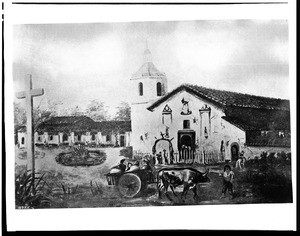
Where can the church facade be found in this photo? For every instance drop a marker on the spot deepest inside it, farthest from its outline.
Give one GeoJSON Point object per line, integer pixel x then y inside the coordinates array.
{"type": "Point", "coordinates": [194, 119]}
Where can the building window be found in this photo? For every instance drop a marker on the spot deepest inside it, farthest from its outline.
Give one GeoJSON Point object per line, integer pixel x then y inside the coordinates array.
{"type": "Point", "coordinates": [65, 137]}
{"type": "Point", "coordinates": [158, 89]}
{"type": "Point", "coordinates": [93, 136]}
{"type": "Point", "coordinates": [22, 140]}
{"type": "Point", "coordinates": [141, 89]}
{"type": "Point", "coordinates": [39, 138]}
{"type": "Point", "coordinates": [186, 124]}
{"type": "Point", "coordinates": [51, 137]}
{"type": "Point", "coordinates": [281, 134]}
{"type": "Point", "coordinates": [78, 137]}
{"type": "Point", "coordinates": [108, 138]}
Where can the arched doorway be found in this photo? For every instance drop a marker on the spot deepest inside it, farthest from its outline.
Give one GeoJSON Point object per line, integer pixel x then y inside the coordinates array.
{"type": "Point", "coordinates": [163, 151]}
{"type": "Point", "coordinates": [186, 144]}
{"type": "Point", "coordinates": [186, 141]}
{"type": "Point", "coordinates": [234, 151]}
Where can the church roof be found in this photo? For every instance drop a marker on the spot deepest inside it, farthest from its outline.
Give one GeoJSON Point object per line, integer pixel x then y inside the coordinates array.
{"type": "Point", "coordinates": [245, 111]}
{"type": "Point", "coordinates": [147, 69]}
{"type": "Point", "coordinates": [224, 98]}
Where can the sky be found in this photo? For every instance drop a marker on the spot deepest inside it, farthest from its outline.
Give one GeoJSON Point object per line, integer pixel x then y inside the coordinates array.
{"type": "Point", "coordinates": [77, 63]}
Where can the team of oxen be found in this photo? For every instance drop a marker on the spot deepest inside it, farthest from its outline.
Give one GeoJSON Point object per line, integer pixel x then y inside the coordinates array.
{"type": "Point", "coordinates": [168, 178]}
{"type": "Point", "coordinates": [188, 178]}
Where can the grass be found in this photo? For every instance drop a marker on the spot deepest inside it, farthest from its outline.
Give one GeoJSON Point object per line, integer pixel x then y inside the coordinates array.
{"type": "Point", "coordinates": [262, 181]}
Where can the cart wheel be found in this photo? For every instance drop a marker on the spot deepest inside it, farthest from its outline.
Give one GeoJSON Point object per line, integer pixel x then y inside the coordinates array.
{"type": "Point", "coordinates": [129, 185]}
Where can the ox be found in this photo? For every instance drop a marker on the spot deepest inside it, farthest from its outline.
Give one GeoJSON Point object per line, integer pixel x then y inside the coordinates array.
{"type": "Point", "coordinates": [174, 177]}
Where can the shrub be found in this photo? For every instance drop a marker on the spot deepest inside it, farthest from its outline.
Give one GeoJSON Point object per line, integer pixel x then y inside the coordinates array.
{"type": "Point", "coordinates": [126, 152]}
{"type": "Point", "coordinates": [29, 192]}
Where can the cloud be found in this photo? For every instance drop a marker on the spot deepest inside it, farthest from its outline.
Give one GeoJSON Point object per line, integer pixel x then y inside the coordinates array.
{"type": "Point", "coordinates": [77, 63]}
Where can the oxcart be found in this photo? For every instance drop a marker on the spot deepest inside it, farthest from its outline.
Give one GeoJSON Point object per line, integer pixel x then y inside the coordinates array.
{"type": "Point", "coordinates": [131, 183]}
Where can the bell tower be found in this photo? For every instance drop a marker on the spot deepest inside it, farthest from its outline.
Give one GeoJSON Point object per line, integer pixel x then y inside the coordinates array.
{"type": "Point", "coordinates": [148, 84]}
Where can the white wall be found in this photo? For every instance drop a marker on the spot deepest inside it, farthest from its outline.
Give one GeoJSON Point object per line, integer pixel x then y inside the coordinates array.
{"type": "Point", "coordinates": [20, 136]}
{"type": "Point", "coordinates": [146, 122]}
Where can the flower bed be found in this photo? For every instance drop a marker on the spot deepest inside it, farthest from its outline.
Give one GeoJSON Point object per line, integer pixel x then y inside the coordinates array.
{"type": "Point", "coordinates": [81, 157]}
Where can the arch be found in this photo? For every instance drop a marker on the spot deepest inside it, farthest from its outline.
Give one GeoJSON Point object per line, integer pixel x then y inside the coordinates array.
{"type": "Point", "coordinates": [65, 137]}
{"type": "Point", "coordinates": [170, 151]}
{"type": "Point", "coordinates": [234, 151]}
{"type": "Point", "coordinates": [159, 89]}
{"type": "Point", "coordinates": [141, 89]}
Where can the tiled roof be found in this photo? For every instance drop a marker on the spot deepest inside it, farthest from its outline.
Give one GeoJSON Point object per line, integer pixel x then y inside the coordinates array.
{"type": "Point", "coordinates": [67, 124]}
{"type": "Point", "coordinates": [107, 126]}
{"type": "Point", "coordinates": [245, 111]}
{"type": "Point", "coordinates": [223, 98]}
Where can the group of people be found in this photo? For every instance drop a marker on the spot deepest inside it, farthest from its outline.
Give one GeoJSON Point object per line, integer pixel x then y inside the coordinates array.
{"type": "Point", "coordinates": [131, 166]}
{"type": "Point", "coordinates": [227, 175]}
{"type": "Point", "coordinates": [163, 158]}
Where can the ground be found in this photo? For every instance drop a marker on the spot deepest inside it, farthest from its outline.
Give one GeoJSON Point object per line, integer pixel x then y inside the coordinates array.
{"type": "Point", "coordinates": [77, 187]}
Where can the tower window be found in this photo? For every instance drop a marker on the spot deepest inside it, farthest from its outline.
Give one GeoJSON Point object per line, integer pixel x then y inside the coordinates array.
{"type": "Point", "coordinates": [158, 89]}
{"type": "Point", "coordinates": [186, 124]}
{"type": "Point", "coordinates": [141, 89]}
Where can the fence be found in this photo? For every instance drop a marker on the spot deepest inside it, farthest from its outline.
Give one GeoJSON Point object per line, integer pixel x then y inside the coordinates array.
{"type": "Point", "coordinates": [190, 157]}
{"type": "Point", "coordinates": [186, 156]}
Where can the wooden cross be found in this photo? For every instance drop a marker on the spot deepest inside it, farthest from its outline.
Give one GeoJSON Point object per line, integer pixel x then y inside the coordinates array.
{"type": "Point", "coordinates": [28, 94]}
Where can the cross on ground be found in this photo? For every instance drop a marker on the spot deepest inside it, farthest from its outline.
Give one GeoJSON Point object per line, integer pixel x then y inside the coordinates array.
{"type": "Point", "coordinates": [28, 94]}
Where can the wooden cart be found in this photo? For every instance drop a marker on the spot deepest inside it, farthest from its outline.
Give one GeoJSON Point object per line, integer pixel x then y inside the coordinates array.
{"type": "Point", "coordinates": [131, 183]}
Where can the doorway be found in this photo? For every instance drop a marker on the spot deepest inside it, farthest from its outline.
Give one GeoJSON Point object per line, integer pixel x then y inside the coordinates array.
{"type": "Point", "coordinates": [186, 144]}
{"type": "Point", "coordinates": [234, 152]}
{"type": "Point", "coordinates": [122, 141]}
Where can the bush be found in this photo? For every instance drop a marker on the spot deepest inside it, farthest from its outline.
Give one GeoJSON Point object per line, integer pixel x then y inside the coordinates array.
{"type": "Point", "coordinates": [30, 193]}
{"type": "Point", "coordinates": [126, 152]}
{"type": "Point", "coordinates": [269, 182]}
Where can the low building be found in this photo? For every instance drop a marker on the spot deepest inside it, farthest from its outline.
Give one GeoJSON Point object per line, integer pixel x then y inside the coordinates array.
{"type": "Point", "coordinates": [71, 130]}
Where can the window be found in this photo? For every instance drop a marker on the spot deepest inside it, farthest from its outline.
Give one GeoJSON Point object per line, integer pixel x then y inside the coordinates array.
{"type": "Point", "coordinates": [93, 136]}
{"type": "Point", "coordinates": [281, 134]}
{"type": "Point", "coordinates": [51, 137]}
{"type": "Point", "coordinates": [39, 138]}
{"type": "Point", "coordinates": [108, 138]}
{"type": "Point", "coordinates": [186, 124]}
{"type": "Point", "coordinates": [65, 137]}
{"type": "Point", "coordinates": [158, 89]}
{"type": "Point", "coordinates": [22, 140]}
{"type": "Point", "coordinates": [78, 137]}
{"type": "Point", "coordinates": [141, 89]}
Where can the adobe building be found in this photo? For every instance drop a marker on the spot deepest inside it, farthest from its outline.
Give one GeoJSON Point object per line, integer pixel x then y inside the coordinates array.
{"type": "Point", "coordinates": [203, 120]}
{"type": "Point", "coordinates": [70, 130]}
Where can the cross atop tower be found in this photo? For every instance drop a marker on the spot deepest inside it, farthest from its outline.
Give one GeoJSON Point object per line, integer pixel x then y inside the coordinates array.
{"type": "Point", "coordinates": [147, 54]}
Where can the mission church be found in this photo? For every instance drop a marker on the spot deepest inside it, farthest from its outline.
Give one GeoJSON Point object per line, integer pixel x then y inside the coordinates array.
{"type": "Point", "coordinates": [187, 121]}
{"type": "Point", "coordinates": [197, 119]}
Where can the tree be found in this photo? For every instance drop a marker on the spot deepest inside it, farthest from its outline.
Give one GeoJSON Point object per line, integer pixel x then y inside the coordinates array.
{"type": "Point", "coordinates": [124, 112]}
{"type": "Point", "coordinates": [76, 111]}
{"type": "Point", "coordinates": [39, 115]}
{"type": "Point", "coordinates": [97, 111]}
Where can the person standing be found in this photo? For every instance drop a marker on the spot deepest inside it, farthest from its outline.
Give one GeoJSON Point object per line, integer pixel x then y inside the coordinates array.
{"type": "Point", "coordinates": [228, 177]}
{"type": "Point", "coordinates": [222, 151]}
